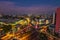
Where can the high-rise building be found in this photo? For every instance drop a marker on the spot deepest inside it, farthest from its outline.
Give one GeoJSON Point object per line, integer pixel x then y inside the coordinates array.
{"type": "Point", "coordinates": [57, 28]}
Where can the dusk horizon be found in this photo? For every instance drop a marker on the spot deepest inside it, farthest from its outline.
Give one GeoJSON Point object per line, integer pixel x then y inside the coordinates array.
{"type": "Point", "coordinates": [28, 6]}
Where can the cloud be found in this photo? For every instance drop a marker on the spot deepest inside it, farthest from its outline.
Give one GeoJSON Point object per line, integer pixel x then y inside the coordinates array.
{"type": "Point", "coordinates": [11, 8]}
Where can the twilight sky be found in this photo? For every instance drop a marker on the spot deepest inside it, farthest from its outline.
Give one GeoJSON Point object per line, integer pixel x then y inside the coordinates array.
{"type": "Point", "coordinates": [28, 6]}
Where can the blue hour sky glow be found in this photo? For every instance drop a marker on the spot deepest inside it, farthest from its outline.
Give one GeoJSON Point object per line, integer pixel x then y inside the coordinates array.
{"type": "Point", "coordinates": [28, 6]}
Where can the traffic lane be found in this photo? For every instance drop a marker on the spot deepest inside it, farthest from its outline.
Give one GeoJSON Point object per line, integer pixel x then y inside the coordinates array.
{"type": "Point", "coordinates": [34, 35]}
